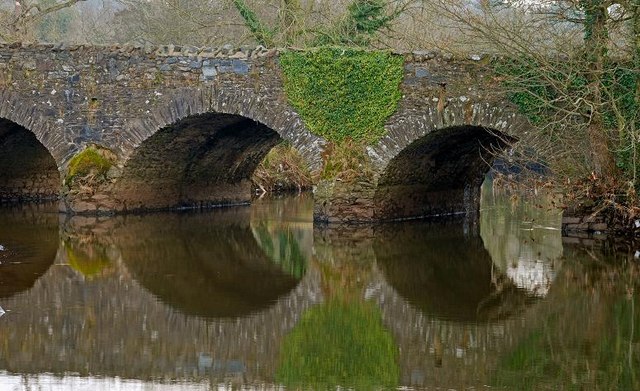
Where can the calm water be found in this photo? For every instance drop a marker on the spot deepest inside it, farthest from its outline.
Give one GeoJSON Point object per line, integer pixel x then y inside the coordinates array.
{"type": "Point", "coordinates": [256, 298]}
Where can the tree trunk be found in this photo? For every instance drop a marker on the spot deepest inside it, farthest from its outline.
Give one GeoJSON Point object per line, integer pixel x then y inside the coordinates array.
{"type": "Point", "coordinates": [596, 39]}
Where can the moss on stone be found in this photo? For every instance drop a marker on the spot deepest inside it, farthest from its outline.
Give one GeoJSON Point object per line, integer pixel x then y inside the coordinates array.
{"type": "Point", "coordinates": [94, 161]}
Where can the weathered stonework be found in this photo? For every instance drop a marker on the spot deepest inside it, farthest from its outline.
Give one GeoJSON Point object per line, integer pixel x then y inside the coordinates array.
{"type": "Point", "coordinates": [188, 125]}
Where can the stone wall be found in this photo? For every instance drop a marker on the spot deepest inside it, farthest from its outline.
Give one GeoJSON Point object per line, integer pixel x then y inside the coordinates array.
{"type": "Point", "coordinates": [162, 112]}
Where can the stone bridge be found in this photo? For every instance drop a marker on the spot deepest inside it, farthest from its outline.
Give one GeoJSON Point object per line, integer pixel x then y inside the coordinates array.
{"type": "Point", "coordinates": [186, 127]}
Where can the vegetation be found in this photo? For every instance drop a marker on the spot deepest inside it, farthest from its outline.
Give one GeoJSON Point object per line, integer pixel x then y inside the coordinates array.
{"type": "Point", "coordinates": [343, 93]}
{"type": "Point", "coordinates": [587, 340]}
{"type": "Point", "coordinates": [281, 245]}
{"type": "Point", "coordinates": [339, 344]}
{"type": "Point", "coordinates": [90, 165]}
{"type": "Point", "coordinates": [283, 169]}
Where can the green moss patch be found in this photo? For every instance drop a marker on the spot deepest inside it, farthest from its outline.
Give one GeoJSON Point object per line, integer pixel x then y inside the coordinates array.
{"type": "Point", "coordinates": [339, 344]}
{"type": "Point", "coordinates": [343, 93]}
{"type": "Point", "coordinates": [93, 162]}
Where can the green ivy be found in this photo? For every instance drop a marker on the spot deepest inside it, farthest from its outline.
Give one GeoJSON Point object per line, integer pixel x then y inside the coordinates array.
{"type": "Point", "coordinates": [343, 93]}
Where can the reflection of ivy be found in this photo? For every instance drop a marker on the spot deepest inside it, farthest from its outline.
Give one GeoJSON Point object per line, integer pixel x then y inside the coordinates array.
{"type": "Point", "coordinates": [287, 254]}
{"type": "Point", "coordinates": [343, 93]}
{"type": "Point", "coordinates": [88, 260]}
{"type": "Point", "coordinates": [339, 344]}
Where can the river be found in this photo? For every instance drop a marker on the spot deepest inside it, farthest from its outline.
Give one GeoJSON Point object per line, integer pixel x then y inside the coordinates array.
{"type": "Point", "coordinates": [258, 298]}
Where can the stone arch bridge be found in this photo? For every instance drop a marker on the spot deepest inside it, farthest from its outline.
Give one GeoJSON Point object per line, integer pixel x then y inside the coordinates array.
{"type": "Point", "coordinates": [186, 127]}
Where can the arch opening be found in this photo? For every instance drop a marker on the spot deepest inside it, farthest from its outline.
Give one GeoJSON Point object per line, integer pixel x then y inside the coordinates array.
{"type": "Point", "coordinates": [28, 172]}
{"type": "Point", "coordinates": [439, 174]}
{"type": "Point", "coordinates": [200, 161]}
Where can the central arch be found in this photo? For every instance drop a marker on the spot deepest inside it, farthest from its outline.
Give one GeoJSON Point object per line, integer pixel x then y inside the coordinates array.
{"type": "Point", "coordinates": [199, 148]}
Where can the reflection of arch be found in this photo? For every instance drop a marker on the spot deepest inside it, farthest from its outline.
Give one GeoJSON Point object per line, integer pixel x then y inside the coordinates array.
{"type": "Point", "coordinates": [438, 174]}
{"type": "Point", "coordinates": [28, 171]}
{"type": "Point", "coordinates": [30, 241]}
{"type": "Point", "coordinates": [445, 273]}
{"type": "Point", "coordinates": [203, 264]}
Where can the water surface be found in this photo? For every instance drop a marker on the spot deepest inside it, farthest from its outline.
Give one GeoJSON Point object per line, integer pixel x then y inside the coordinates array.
{"type": "Point", "coordinates": [256, 297]}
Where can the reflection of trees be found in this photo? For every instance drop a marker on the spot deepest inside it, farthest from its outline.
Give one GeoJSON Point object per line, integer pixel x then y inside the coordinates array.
{"type": "Point", "coordinates": [585, 336]}
{"type": "Point", "coordinates": [30, 239]}
{"type": "Point", "coordinates": [522, 237]}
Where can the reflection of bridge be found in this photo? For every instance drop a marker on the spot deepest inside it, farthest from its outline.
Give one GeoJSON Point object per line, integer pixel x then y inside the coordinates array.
{"type": "Point", "coordinates": [122, 321]}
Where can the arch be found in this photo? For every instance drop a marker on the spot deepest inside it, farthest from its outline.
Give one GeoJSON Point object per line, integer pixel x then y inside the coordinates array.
{"type": "Point", "coordinates": [446, 273]}
{"type": "Point", "coordinates": [412, 125]}
{"type": "Point", "coordinates": [34, 119]}
{"type": "Point", "coordinates": [438, 174]}
{"type": "Point", "coordinates": [433, 162]}
{"type": "Point", "coordinates": [207, 264]}
{"type": "Point", "coordinates": [202, 148]}
{"type": "Point", "coordinates": [28, 171]}
{"type": "Point", "coordinates": [270, 111]}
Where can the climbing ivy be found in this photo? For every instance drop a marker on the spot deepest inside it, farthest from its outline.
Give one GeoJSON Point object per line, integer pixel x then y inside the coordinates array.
{"type": "Point", "coordinates": [343, 93]}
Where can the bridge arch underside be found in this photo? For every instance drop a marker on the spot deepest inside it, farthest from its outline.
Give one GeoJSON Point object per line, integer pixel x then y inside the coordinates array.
{"type": "Point", "coordinates": [439, 174]}
{"type": "Point", "coordinates": [28, 172]}
{"type": "Point", "coordinates": [201, 161]}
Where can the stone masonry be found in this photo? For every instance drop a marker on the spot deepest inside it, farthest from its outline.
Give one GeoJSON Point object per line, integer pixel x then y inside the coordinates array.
{"type": "Point", "coordinates": [187, 127]}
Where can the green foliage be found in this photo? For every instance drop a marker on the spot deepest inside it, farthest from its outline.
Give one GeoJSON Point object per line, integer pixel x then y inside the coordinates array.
{"type": "Point", "coordinates": [347, 161]}
{"type": "Point", "coordinates": [92, 161]}
{"type": "Point", "coordinates": [343, 93]}
{"type": "Point", "coordinates": [339, 344]}
{"type": "Point", "coordinates": [364, 19]}
{"type": "Point", "coordinates": [537, 88]}
{"type": "Point", "coordinates": [261, 33]}
{"type": "Point", "coordinates": [620, 83]}
{"type": "Point", "coordinates": [564, 354]}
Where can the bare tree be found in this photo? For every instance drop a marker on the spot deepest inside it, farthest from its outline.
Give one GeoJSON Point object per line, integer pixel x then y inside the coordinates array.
{"type": "Point", "coordinates": [22, 23]}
